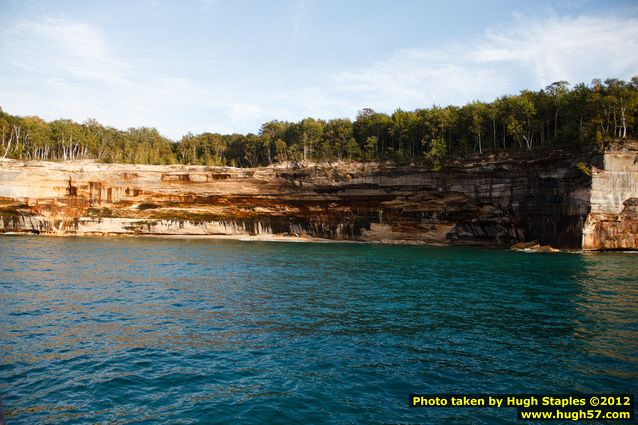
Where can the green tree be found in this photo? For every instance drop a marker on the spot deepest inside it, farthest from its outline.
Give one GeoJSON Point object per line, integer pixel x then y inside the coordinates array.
{"type": "Point", "coordinates": [557, 91]}
{"type": "Point", "coordinates": [339, 139]}
{"type": "Point", "coordinates": [478, 113]}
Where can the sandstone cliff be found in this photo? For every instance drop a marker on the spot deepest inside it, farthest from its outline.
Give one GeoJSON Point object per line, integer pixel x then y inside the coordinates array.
{"type": "Point", "coordinates": [613, 220]}
{"type": "Point", "coordinates": [494, 201]}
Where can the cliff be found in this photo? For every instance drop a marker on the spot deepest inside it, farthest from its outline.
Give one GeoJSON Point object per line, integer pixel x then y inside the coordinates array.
{"type": "Point", "coordinates": [613, 220]}
{"type": "Point", "coordinates": [492, 201]}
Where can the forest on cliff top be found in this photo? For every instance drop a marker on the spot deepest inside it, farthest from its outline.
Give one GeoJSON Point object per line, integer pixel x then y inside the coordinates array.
{"type": "Point", "coordinates": [584, 116]}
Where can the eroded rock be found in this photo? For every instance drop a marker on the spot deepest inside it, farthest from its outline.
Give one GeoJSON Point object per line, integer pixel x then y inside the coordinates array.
{"type": "Point", "coordinates": [613, 221]}
{"type": "Point", "coordinates": [493, 201]}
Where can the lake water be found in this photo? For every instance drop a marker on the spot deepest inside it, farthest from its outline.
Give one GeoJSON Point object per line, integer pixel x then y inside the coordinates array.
{"type": "Point", "coordinates": [192, 331]}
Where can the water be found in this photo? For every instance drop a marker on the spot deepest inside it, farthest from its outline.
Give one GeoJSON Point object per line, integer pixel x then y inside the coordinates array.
{"type": "Point", "coordinates": [174, 331]}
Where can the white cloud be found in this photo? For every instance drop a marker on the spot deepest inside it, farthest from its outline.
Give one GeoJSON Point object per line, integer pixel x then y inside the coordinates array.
{"type": "Point", "coordinates": [69, 69]}
{"type": "Point", "coordinates": [530, 53]}
{"type": "Point", "coordinates": [58, 48]}
{"type": "Point", "coordinates": [64, 68]}
{"type": "Point", "coordinates": [560, 48]}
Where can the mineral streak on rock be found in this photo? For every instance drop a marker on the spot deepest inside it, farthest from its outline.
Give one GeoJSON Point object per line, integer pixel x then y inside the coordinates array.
{"type": "Point", "coordinates": [491, 201]}
{"type": "Point", "coordinates": [613, 221]}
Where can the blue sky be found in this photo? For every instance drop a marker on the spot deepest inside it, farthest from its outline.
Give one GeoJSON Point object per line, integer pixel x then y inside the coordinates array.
{"type": "Point", "coordinates": [231, 65]}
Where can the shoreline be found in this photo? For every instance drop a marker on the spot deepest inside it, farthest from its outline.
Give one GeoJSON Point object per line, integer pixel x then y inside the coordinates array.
{"type": "Point", "coordinates": [291, 239]}
{"type": "Point", "coordinates": [310, 240]}
{"type": "Point", "coordinates": [493, 203]}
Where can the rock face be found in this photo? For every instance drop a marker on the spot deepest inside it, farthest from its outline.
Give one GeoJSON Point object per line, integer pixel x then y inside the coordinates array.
{"type": "Point", "coordinates": [613, 221]}
{"type": "Point", "coordinates": [494, 201]}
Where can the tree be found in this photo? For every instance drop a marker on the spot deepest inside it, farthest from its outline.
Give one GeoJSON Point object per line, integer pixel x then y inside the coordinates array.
{"type": "Point", "coordinates": [370, 148]}
{"type": "Point", "coordinates": [371, 124]}
{"type": "Point", "coordinates": [270, 133]}
{"type": "Point", "coordinates": [436, 153]}
{"type": "Point", "coordinates": [478, 111]}
{"type": "Point", "coordinates": [280, 151]}
{"type": "Point", "coordinates": [311, 135]}
{"type": "Point", "coordinates": [588, 114]}
{"type": "Point", "coordinates": [338, 139]}
{"type": "Point", "coordinates": [520, 111]}
{"type": "Point", "coordinates": [492, 110]}
{"type": "Point", "coordinates": [557, 90]}
{"type": "Point", "coordinates": [402, 132]}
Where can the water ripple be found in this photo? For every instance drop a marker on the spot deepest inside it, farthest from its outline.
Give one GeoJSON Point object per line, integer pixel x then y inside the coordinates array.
{"type": "Point", "coordinates": [155, 331]}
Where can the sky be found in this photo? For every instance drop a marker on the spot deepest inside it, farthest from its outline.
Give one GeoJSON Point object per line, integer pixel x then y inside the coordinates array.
{"type": "Point", "coordinates": [231, 65]}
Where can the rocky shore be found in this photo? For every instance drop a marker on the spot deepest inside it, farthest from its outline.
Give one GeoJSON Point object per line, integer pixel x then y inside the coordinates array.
{"type": "Point", "coordinates": [556, 198]}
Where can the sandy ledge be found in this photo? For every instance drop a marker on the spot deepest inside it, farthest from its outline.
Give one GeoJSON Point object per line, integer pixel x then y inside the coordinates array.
{"type": "Point", "coordinates": [272, 238]}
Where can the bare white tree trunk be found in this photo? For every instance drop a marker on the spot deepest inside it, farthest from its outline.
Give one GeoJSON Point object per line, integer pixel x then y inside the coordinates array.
{"type": "Point", "coordinates": [5, 149]}
{"type": "Point", "coordinates": [4, 139]}
{"type": "Point", "coordinates": [63, 149]}
{"type": "Point", "coordinates": [15, 134]}
{"type": "Point", "coordinates": [623, 119]}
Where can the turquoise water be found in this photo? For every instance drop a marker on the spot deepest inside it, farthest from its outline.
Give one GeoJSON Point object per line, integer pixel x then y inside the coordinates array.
{"type": "Point", "coordinates": [175, 331]}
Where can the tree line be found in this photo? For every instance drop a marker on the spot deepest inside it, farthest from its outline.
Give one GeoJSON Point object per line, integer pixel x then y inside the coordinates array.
{"type": "Point", "coordinates": [582, 116]}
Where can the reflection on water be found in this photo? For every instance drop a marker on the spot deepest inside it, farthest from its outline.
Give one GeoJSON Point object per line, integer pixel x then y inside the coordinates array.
{"type": "Point", "coordinates": [608, 307]}
{"type": "Point", "coordinates": [100, 330]}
